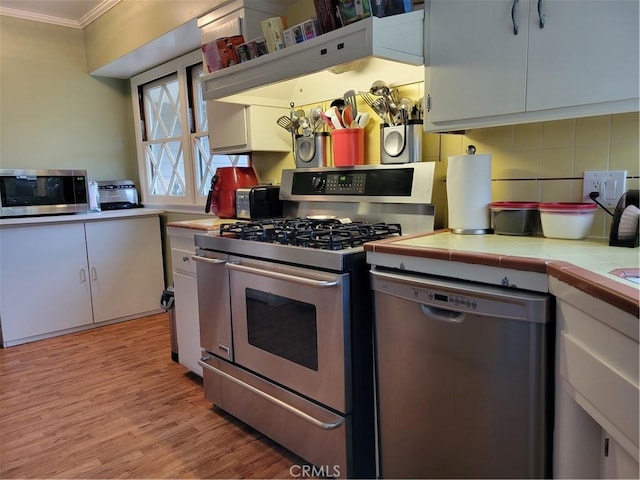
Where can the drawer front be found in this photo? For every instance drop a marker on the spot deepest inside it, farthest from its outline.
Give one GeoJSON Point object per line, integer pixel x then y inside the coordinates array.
{"type": "Point", "coordinates": [312, 432]}
{"type": "Point", "coordinates": [614, 394]}
{"type": "Point", "coordinates": [182, 261]}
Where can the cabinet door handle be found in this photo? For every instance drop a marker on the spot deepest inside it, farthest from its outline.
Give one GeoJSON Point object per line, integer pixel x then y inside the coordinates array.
{"type": "Point", "coordinates": [83, 276]}
{"type": "Point", "coordinates": [513, 17]}
{"type": "Point", "coordinates": [540, 14]}
{"type": "Point", "coordinates": [186, 258]}
{"type": "Point", "coordinates": [94, 273]}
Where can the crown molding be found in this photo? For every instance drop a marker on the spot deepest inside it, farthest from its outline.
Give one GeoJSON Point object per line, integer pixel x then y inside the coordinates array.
{"type": "Point", "coordinates": [64, 22]}
{"type": "Point", "coordinates": [97, 11]}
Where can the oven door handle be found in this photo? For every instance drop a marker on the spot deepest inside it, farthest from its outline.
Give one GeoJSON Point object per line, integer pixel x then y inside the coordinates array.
{"type": "Point", "coordinates": [297, 412]}
{"type": "Point", "coordinates": [283, 276]}
{"type": "Point", "coordinates": [211, 261]}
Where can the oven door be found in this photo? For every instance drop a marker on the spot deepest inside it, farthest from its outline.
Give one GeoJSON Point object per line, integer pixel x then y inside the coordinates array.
{"type": "Point", "coordinates": [291, 325]}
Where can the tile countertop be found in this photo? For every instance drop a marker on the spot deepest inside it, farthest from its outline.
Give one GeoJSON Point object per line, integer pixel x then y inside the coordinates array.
{"type": "Point", "coordinates": [204, 224]}
{"type": "Point", "coordinates": [583, 264]}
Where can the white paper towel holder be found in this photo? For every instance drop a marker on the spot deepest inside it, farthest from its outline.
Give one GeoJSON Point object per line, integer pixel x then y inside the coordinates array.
{"type": "Point", "coordinates": [471, 150]}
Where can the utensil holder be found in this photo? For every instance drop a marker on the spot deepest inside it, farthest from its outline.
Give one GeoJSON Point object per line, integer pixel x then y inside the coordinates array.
{"type": "Point", "coordinates": [348, 147]}
{"type": "Point", "coordinates": [401, 143]}
{"type": "Point", "coordinates": [311, 150]}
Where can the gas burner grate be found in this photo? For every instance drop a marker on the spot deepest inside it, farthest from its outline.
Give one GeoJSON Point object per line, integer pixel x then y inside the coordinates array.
{"type": "Point", "coordinates": [326, 234]}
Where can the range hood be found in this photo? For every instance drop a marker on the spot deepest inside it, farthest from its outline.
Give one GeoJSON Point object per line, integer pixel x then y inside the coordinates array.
{"type": "Point", "coordinates": [352, 57]}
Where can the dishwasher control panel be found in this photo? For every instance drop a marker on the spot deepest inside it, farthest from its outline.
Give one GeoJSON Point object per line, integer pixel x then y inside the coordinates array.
{"type": "Point", "coordinates": [457, 300]}
{"type": "Point", "coordinates": [460, 296]}
{"type": "Point", "coordinates": [443, 299]}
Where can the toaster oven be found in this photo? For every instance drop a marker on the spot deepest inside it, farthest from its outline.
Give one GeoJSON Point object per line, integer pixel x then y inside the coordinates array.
{"type": "Point", "coordinates": [118, 194]}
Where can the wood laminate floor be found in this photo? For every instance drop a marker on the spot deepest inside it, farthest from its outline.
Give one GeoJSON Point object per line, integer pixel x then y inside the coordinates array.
{"type": "Point", "coordinates": [110, 403]}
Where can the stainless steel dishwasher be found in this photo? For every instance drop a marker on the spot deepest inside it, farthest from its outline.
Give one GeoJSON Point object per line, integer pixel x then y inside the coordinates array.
{"type": "Point", "coordinates": [464, 378]}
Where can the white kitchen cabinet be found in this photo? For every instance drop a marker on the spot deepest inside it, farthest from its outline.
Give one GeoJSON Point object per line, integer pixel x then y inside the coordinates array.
{"type": "Point", "coordinates": [235, 128]}
{"type": "Point", "coordinates": [479, 73]}
{"type": "Point", "coordinates": [597, 388]}
{"type": "Point", "coordinates": [185, 287]}
{"type": "Point", "coordinates": [61, 277]}
{"type": "Point", "coordinates": [44, 280]}
{"type": "Point", "coordinates": [617, 463]}
{"type": "Point", "coordinates": [125, 266]}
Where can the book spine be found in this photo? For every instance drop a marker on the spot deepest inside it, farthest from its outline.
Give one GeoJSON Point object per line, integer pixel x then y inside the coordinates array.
{"type": "Point", "coordinates": [326, 14]}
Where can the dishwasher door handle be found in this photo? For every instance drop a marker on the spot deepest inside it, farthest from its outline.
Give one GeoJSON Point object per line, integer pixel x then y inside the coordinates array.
{"type": "Point", "coordinates": [442, 314]}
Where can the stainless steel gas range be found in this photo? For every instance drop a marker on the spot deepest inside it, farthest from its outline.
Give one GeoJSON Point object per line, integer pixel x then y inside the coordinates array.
{"type": "Point", "coordinates": [286, 309]}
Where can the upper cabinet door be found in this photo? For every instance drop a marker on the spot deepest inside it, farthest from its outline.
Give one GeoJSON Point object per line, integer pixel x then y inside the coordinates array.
{"type": "Point", "coordinates": [583, 61]}
{"type": "Point", "coordinates": [477, 65]}
{"type": "Point", "coordinates": [236, 128]}
{"type": "Point", "coordinates": [228, 128]}
{"type": "Point", "coordinates": [586, 53]}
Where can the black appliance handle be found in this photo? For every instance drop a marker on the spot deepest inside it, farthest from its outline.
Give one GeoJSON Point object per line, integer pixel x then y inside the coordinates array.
{"type": "Point", "coordinates": [214, 181]}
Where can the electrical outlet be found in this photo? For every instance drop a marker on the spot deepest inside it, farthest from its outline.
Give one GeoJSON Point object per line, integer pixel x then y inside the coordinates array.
{"type": "Point", "coordinates": [609, 185]}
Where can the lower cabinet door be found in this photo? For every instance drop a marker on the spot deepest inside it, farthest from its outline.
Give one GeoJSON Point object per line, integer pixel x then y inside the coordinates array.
{"type": "Point", "coordinates": [44, 280]}
{"type": "Point", "coordinates": [125, 267]}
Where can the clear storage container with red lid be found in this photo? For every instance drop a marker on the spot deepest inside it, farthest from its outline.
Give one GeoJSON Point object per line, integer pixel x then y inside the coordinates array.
{"type": "Point", "coordinates": [514, 218]}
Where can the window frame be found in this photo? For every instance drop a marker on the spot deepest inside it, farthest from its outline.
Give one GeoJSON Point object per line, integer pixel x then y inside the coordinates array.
{"type": "Point", "coordinates": [191, 201]}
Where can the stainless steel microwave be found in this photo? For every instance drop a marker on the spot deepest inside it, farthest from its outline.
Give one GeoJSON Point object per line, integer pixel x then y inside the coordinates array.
{"type": "Point", "coordinates": [42, 192]}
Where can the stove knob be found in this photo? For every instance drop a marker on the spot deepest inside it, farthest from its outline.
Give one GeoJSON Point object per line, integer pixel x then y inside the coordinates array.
{"type": "Point", "coordinates": [318, 183]}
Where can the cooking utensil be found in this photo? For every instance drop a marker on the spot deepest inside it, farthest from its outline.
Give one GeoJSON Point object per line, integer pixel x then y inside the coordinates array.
{"type": "Point", "coordinates": [362, 119]}
{"type": "Point", "coordinates": [347, 116]}
{"type": "Point", "coordinates": [286, 123]}
{"type": "Point", "coordinates": [327, 120]}
{"type": "Point", "coordinates": [394, 96]}
{"type": "Point", "coordinates": [315, 117]}
{"type": "Point", "coordinates": [368, 99]}
{"type": "Point", "coordinates": [371, 101]}
{"type": "Point", "coordinates": [420, 105]}
{"type": "Point", "coordinates": [381, 107]}
{"type": "Point", "coordinates": [350, 99]}
{"type": "Point", "coordinates": [336, 119]}
{"type": "Point", "coordinates": [379, 88]}
{"type": "Point", "coordinates": [305, 125]}
{"type": "Point", "coordinates": [339, 103]}
{"type": "Point", "coordinates": [405, 106]}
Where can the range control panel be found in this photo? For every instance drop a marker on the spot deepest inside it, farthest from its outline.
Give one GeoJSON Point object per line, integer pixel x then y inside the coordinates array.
{"type": "Point", "coordinates": [370, 182]}
{"type": "Point", "coordinates": [345, 183]}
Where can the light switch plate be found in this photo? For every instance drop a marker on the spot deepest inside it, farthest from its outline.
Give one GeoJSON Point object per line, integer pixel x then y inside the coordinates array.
{"type": "Point", "coordinates": [609, 184]}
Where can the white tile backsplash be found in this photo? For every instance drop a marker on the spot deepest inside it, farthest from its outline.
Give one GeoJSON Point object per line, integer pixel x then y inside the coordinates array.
{"type": "Point", "coordinates": [545, 161]}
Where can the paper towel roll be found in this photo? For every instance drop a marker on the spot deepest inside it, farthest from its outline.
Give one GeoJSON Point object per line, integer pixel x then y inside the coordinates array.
{"type": "Point", "coordinates": [469, 193]}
